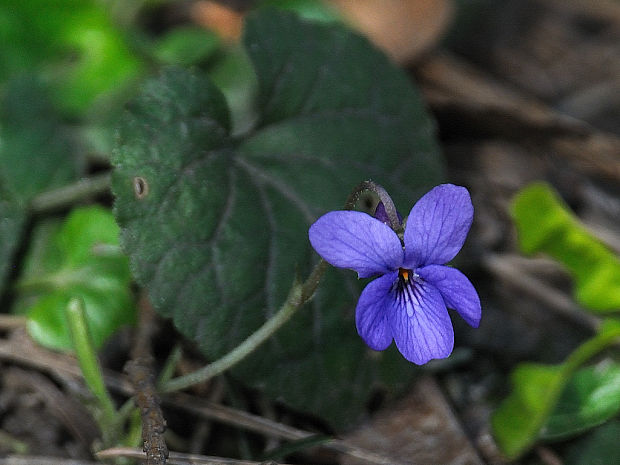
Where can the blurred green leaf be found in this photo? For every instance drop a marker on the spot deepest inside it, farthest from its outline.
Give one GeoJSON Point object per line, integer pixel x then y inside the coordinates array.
{"type": "Point", "coordinates": [186, 45]}
{"type": "Point", "coordinates": [545, 224]}
{"type": "Point", "coordinates": [12, 221]}
{"type": "Point", "coordinates": [518, 419]}
{"type": "Point", "coordinates": [536, 390]}
{"type": "Point", "coordinates": [82, 258]}
{"type": "Point", "coordinates": [591, 397]}
{"type": "Point", "coordinates": [598, 448]}
{"type": "Point", "coordinates": [40, 251]}
{"type": "Point", "coordinates": [216, 227]}
{"type": "Point", "coordinates": [73, 43]}
{"type": "Point", "coordinates": [36, 153]}
{"type": "Point", "coordinates": [316, 10]}
{"type": "Point", "coordinates": [234, 75]}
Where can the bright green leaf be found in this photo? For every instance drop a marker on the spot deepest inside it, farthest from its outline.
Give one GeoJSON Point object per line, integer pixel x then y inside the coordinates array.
{"type": "Point", "coordinates": [220, 234]}
{"type": "Point", "coordinates": [591, 397]}
{"type": "Point", "coordinates": [186, 46]}
{"type": "Point", "coordinates": [82, 259]}
{"type": "Point", "coordinates": [517, 421]}
{"type": "Point", "coordinates": [545, 224]}
{"type": "Point", "coordinates": [598, 448]}
{"type": "Point", "coordinates": [73, 43]}
{"type": "Point", "coordinates": [536, 391]}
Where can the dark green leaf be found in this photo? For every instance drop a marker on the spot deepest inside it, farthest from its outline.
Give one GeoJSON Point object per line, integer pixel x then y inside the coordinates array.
{"type": "Point", "coordinates": [234, 75]}
{"type": "Point", "coordinates": [591, 397]}
{"type": "Point", "coordinates": [82, 258]}
{"type": "Point", "coordinates": [35, 150]}
{"type": "Point", "coordinates": [316, 10]}
{"type": "Point", "coordinates": [12, 219]}
{"type": "Point", "coordinates": [35, 155]}
{"type": "Point", "coordinates": [221, 232]}
{"type": "Point", "coordinates": [545, 224]}
{"type": "Point", "coordinates": [598, 448]}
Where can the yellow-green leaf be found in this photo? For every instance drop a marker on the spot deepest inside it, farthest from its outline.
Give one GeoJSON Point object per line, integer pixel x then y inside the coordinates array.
{"type": "Point", "coordinates": [545, 224]}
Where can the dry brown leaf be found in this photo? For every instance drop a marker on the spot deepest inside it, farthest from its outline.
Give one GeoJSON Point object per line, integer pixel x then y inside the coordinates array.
{"type": "Point", "coordinates": [402, 28]}
{"type": "Point", "coordinates": [226, 22]}
{"type": "Point", "coordinates": [420, 429]}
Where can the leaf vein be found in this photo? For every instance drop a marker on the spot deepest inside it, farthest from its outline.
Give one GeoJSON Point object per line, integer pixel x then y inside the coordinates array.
{"type": "Point", "coordinates": [283, 188]}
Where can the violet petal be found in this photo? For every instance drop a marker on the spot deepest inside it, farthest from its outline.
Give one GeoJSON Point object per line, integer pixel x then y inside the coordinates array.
{"type": "Point", "coordinates": [437, 226]}
{"type": "Point", "coordinates": [371, 313]}
{"type": "Point", "coordinates": [457, 291]}
{"type": "Point", "coordinates": [420, 324]}
{"type": "Point", "coordinates": [350, 239]}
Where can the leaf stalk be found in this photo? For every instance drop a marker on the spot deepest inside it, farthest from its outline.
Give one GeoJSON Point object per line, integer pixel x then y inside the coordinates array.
{"type": "Point", "coordinates": [87, 359]}
{"type": "Point", "coordinates": [298, 295]}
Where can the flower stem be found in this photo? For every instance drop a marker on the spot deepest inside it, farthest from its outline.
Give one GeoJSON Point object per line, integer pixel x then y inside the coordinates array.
{"type": "Point", "coordinates": [298, 295]}
{"type": "Point", "coordinates": [388, 203]}
{"type": "Point", "coordinates": [167, 372]}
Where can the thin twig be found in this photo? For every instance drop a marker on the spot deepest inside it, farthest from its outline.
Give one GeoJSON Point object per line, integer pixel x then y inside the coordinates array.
{"type": "Point", "coordinates": [20, 349]}
{"type": "Point", "coordinates": [547, 456]}
{"type": "Point", "coordinates": [457, 88]}
{"type": "Point", "coordinates": [606, 10]}
{"type": "Point", "coordinates": [140, 371]}
{"type": "Point", "coordinates": [11, 321]}
{"type": "Point", "coordinates": [270, 428]}
{"type": "Point", "coordinates": [34, 460]}
{"type": "Point", "coordinates": [177, 458]}
{"type": "Point", "coordinates": [508, 269]}
{"type": "Point", "coordinates": [63, 407]}
{"type": "Point", "coordinates": [72, 193]}
{"type": "Point", "coordinates": [153, 423]}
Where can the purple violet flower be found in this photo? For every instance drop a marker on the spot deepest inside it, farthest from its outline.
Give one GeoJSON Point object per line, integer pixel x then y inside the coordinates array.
{"type": "Point", "coordinates": [408, 301]}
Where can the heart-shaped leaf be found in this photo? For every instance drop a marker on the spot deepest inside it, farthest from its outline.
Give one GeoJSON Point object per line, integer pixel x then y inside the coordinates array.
{"type": "Point", "coordinates": [216, 227]}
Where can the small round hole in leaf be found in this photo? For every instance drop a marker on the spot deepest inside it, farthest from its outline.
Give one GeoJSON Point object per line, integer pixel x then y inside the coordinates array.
{"type": "Point", "coordinates": [140, 187]}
